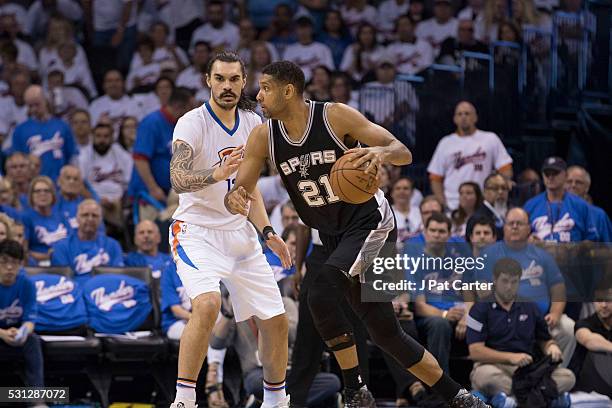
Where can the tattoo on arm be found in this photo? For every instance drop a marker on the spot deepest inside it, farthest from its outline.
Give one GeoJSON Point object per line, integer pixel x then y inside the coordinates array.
{"type": "Point", "coordinates": [184, 179]}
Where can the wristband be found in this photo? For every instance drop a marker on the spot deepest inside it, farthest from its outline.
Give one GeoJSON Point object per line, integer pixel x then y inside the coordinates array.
{"type": "Point", "coordinates": [267, 231]}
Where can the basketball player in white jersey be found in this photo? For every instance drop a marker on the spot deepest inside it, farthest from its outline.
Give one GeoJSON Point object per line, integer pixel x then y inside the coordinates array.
{"type": "Point", "coordinates": [209, 244]}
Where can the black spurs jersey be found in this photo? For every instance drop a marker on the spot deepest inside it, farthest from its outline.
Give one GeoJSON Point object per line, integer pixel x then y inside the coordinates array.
{"type": "Point", "coordinates": [304, 167]}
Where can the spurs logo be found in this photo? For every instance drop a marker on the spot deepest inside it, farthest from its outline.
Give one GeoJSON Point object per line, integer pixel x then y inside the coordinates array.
{"type": "Point", "coordinates": [304, 165]}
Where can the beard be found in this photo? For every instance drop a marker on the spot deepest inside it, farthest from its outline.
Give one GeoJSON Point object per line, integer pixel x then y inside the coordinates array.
{"type": "Point", "coordinates": [101, 149]}
{"type": "Point", "coordinates": [224, 104]}
{"type": "Point", "coordinates": [501, 207]}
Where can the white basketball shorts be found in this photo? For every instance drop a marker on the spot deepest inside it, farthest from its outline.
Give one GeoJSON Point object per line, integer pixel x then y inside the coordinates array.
{"type": "Point", "coordinates": [205, 256]}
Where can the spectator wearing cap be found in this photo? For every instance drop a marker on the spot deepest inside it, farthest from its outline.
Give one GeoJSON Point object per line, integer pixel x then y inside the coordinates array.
{"type": "Point", "coordinates": [114, 25]}
{"type": "Point", "coordinates": [468, 154]}
{"type": "Point", "coordinates": [17, 10]}
{"type": "Point", "coordinates": [578, 182]}
{"type": "Point", "coordinates": [556, 215]}
{"type": "Point", "coordinates": [218, 32]}
{"type": "Point", "coordinates": [440, 27]}
{"type": "Point", "coordinates": [107, 168]}
{"type": "Point", "coordinates": [87, 248]}
{"type": "Point", "coordinates": [153, 147]}
{"type": "Point", "coordinates": [474, 11]}
{"type": "Point", "coordinates": [495, 202]}
{"type": "Point", "coordinates": [307, 53]}
{"type": "Point", "coordinates": [411, 54]}
{"type": "Point", "coordinates": [391, 104]}
{"type": "Point", "coordinates": [44, 136]}
{"type": "Point", "coordinates": [115, 105]}
{"type": "Point", "coordinates": [465, 40]}
{"type": "Point", "coordinates": [18, 313]}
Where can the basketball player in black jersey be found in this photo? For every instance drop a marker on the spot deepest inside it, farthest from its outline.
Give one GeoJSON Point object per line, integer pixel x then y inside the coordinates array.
{"type": "Point", "coordinates": [303, 139]}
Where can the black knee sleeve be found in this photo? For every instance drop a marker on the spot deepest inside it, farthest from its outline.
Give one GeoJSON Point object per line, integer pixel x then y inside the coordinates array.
{"type": "Point", "coordinates": [341, 342]}
{"type": "Point", "coordinates": [387, 333]}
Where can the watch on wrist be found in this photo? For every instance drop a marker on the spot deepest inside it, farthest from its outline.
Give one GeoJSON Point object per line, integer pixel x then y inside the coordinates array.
{"type": "Point", "coordinates": [267, 231]}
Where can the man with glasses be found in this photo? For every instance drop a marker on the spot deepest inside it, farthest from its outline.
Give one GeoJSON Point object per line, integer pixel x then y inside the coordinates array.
{"type": "Point", "coordinates": [541, 280]}
{"type": "Point", "coordinates": [18, 313]}
{"type": "Point", "coordinates": [469, 154]}
{"type": "Point", "coordinates": [495, 203]}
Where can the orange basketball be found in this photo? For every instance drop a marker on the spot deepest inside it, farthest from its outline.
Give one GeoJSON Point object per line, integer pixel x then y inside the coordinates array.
{"type": "Point", "coordinates": [352, 185]}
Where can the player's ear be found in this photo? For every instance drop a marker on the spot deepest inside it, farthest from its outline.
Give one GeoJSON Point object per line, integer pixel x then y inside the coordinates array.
{"type": "Point", "coordinates": [289, 91]}
{"type": "Point", "coordinates": [244, 81]}
{"type": "Point", "coordinates": [206, 80]}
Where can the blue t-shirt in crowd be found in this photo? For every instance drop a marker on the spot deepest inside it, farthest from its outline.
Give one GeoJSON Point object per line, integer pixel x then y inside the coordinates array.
{"type": "Point", "coordinates": [11, 212]}
{"type": "Point", "coordinates": [69, 209]}
{"type": "Point", "coordinates": [514, 331]}
{"type": "Point", "coordinates": [83, 256]}
{"type": "Point", "coordinates": [435, 269]}
{"type": "Point", "coordinates": [566, 221]}
{"type": "Point", "coordinates": [17, 302]}
{"type": "Point", "coordinates": [602, 223]}
{"type": "Point", "coordinates": [336, 45]}
{"type": "Point", "coordinates": [154, 142]}
{"type": "Point", "coordinates": [43, 231]}
{"type": "Point", "coordinates": [172, 293]}
{"type": "Point", "coordinates": [52, 141]}
{"type": "Point", "coordinates": [116, 303]}
{"type": "Point", "coordinates": [540, 271]}
{"type": "Point", "coordinates": [60, 303]}
{"type": "Point", "coordinates": [157, 263]}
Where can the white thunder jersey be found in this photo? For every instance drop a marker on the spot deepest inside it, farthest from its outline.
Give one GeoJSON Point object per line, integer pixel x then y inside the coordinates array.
{"type": "Point", "coordinates": [211, 141]}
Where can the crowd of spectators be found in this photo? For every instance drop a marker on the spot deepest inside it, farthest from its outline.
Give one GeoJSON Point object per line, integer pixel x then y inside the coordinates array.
{"type": "Point", "coordinates": [91, 91]}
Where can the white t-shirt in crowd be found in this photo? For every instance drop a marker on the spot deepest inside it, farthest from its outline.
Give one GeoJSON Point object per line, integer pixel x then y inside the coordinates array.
{"type": "Point", "coordinates": [38, 16]}
{"type": "Point", "coordinates": [107, 14]}
{"type": "Point", "coordinates": [160, 55]}
{"type": "Point", "coordinates": [408, 224]}
{"type": "Point", "coordinates": [115, 109]}
{"type": "Point", "coordinates": [388, 12]}
{"type": "Point", "coordinates": [211, 142]}
{"type": "Point", "coordinates": [467, 158]}
{"type": "Point", "coordinates": [179, 13]}
{"type": "Point", "coordinates": [79, 75]}
{"type": "Point", "coordinates": [435, 33]}
{"type": "Point", "coordinates": [10, 116]}
{"type": "Point", "coordinates": [478, 19]}
{"type": "Point", "coordinates": [310, 56]}
{"type": "Point", "coordinates": [191, 78]}
{"type": "Point", "coordinates": [108, 175]}
{"type": "Point", "coordinates": [226, 37]}
{"type": "Point", "coordinates": [272, 190]}
{"type": "Point", "coordinates": [368, 60]}
{"type": "Point", "coordinates": [411, 58]}
{"type": "Point", "coordinates": [353, 17]}
{"type": "Point", "coordinates": [146, 103]}
{"type": "Point", "coordinates": [146, 75]}
{"type": "Point", "coordinates": [26, 55]}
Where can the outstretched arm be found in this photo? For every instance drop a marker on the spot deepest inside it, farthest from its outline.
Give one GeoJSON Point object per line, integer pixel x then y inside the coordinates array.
{"type": "Point", "coordinates": [185, 179]}
{"type": "Point", "coordinates": [383, 146]}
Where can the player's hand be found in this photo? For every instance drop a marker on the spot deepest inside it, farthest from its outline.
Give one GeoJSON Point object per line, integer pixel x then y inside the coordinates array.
{"type": "Point", "coordinates": [554, 352]}
{"type": "Point", "coordinates": [229, 165]}
{"type": "Point", "coordinates": [520, 359]}
{"type": "Point", "coordinates": [552, 319]}
{"type": "Point", "coordinates": [460, 329]}
{"type": "Point", "coordinates": [238, 201]}
{"type": "Point", "coordinates": [278, 246]}
{"type": "Point", "coordinates": [376, 157]}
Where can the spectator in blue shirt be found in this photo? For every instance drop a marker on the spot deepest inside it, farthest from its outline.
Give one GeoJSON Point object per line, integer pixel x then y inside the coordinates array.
{"type": "Point", "coordinates": [335, 35]}
{"type": "Point", "coordinates": [87, 248]}
{"type": "Point", "coordinates": [556, 215]}
{"type": "Point", "coordinates": [175, 303]}
{"type": "Point", "coordinates": [440, 311]}
{"type": "Point", "coordinates": [153, 147]}
{"type": "Point", "coordinates": [502, 335]}
{"type": "Point", "coordinates": [541, 280]}
{"type": "Point", "coordinates": [45, 225]}
{"type": "Point", "coordinates": [72, 192]}
{"type": "Point", "coordinates": [578, 182]}
{"type": "Point", "coordinates": [18, 313]}
{"type": "Point", "coordinates": [43, 135]}
{"type": "Point", "coordinates": [147, 238]}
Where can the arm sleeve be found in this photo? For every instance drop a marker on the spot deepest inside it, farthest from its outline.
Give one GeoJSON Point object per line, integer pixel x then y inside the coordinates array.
{"type": "Point", "coordinates": [30, 308]}
{"type": "Point", "coordinates": [501, 156]}
{"type": "Point", "coordinates": [477, 324]}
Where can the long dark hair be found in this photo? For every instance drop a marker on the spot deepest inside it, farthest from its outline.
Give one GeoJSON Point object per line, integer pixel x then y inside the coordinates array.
{"type": "Point", "coordinates": [459, 216]}
{"type": "Point", "coordinates": [244, 102]}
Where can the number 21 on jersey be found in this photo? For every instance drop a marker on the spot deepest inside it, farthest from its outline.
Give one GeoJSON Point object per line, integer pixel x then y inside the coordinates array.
{"type": "Point", "coordinates": [312, 193]}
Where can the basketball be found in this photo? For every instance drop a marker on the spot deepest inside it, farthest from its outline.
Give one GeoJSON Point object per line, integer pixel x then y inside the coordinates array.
{"type": "Point", "coordinates": [352, 185]}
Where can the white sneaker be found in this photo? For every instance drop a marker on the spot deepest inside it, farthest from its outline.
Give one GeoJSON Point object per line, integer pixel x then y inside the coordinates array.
{"type": "Point", "coordinates": [282, 404]}
{"type": "Point", "coordinates": [184, 404]}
